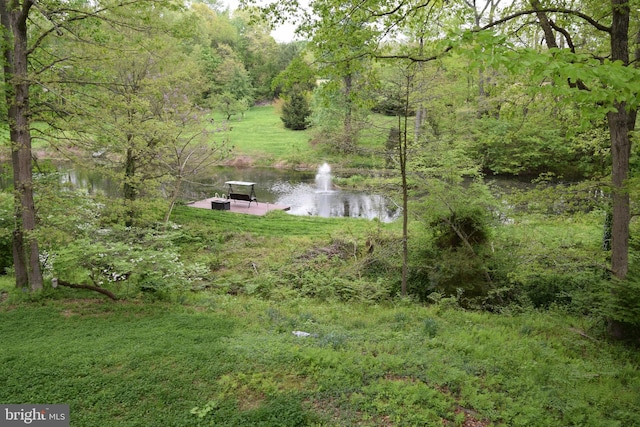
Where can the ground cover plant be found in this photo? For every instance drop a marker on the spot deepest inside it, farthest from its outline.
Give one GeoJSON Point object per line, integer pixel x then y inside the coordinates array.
{"type": "Point", "coordinates": [237, 361]}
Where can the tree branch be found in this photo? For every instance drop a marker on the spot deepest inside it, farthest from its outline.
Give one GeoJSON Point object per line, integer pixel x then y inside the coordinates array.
{"type": "Point", "coordinates": [415, 58]}
{"type": "Point", "coordinates": [564, 11]}
{"type": "Point", "coordinates": [103, 291]}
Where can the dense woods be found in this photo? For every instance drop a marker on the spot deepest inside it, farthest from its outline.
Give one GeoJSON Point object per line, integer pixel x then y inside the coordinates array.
{"type": "Point", "coordinates": [442, 95]}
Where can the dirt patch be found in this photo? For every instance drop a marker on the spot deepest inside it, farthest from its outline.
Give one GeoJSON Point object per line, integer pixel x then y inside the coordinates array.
{"type": "Point", "coordinates": [240, 162]}
{"type": "Point", "coordinates": [470, 418]}
{"type": "Point", "coordinates": [336, 249]}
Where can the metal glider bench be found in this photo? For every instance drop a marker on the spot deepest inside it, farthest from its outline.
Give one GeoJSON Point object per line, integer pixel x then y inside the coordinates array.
{"type": "Point", "coordinates": [251, 197]}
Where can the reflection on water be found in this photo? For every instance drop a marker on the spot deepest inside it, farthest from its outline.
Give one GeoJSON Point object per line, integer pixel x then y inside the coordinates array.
{"type": "Point", "coordinates": [305, 199]}
{"type": "Point", "coordinates": [296, 189]}
{"type": "Point", "coordinates": [303, 192]}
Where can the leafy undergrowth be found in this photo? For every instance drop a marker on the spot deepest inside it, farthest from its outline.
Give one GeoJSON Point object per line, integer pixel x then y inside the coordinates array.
{"type": "Point", "coordinates": [235, 361]}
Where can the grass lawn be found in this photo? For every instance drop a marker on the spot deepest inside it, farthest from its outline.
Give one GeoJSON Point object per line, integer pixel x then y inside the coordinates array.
{"type": "Point", "coordinates": [234, 361]}
{"type": "Point", "coordinates": [260, 136]}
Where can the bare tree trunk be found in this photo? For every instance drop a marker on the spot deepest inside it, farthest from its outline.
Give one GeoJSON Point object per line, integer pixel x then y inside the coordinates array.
{"type": "Point", "coordinates": [619, 126]}
{"type": "Point", "coordinates": [621, 123]}
{"type": "Point", "coordinates": [172, 202]}
{"type": "Point", "coordinates": [19, 265]}
{"type": "Point", "coordinates": [421, 112]}
{"type": "Point", "coordinates": [130, 190]}
{"type": "Point", "coordinates": [620, 153]}
{"type": "Point", "coordinates": [13, 17]}
{"type": "Point", "coordinates": [402, 151]}
{"type": "Point", "coordinates": [403, 145]}
{"type": "Point", "coordinates": [348, 144]}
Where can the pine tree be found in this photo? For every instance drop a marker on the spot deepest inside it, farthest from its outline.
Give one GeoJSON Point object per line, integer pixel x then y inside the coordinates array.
{"type": "Point", "coordinates": [296, 111]}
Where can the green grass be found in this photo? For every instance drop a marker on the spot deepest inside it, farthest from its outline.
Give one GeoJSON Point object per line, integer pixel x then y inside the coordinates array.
{"type": "Point", "coordinates": [261, 135]}
{"type": "Point", "coordinates": [276, 223]}
{"type": "Point", "coordinates": [233, 361]}
{"type": "Point", "coordinates": [278, 255]}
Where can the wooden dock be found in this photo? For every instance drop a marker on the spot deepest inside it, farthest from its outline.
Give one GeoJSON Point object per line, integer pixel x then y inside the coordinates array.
{"type": "Point", "coordinates": [239, 206]}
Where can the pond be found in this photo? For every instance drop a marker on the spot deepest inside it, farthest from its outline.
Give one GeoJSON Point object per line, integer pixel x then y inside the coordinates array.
{"type": "Point", "coordinates": [305, 192]}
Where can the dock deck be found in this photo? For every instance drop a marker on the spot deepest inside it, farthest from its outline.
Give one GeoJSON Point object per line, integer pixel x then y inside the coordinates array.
{"type": "Point", "coordinates": [238, 206]}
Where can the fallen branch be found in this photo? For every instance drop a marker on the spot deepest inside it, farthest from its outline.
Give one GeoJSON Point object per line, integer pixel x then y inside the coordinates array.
{"type": "Point", "coordinates": [103, 291]}
{"type": "Point", "coordinates": [582, 334]}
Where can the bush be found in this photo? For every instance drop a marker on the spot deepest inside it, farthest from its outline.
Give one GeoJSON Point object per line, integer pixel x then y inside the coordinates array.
{"type": "Point", "coordinates": [324, 273]}
{"type": "Point", "coordinates": [459, 262]}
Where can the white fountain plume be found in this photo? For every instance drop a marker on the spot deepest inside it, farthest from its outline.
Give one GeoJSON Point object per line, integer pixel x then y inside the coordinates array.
{"type": "Point", "coordinates": [323, 178]}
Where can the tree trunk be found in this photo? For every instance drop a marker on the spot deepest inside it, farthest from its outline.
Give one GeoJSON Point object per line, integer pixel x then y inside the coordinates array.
{"type": "Point", "coordinates": [130, 190]}
{"type": "Point", "coordinates": [402, 151]}
{"type": "Point", "coordinates": [173, 199]}
{"type": "Point", "coordinates": [348, 144]}
{"type": "Point", "coordinates": [403, 145]}
{"type": "Point", "coordinates": [25, 246]}
{"type": "Point", "coordinates": [620, 153]}
{"type": "Point", "coordinates": [619, 124]}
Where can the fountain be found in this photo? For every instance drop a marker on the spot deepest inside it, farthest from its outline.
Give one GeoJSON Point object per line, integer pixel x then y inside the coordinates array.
{"type": "Point", "coordinates": [325, 201]}
{"type": "Point", "coordinates": [323, 178]}
{"type": "Point", "coordinates": [324, 194]}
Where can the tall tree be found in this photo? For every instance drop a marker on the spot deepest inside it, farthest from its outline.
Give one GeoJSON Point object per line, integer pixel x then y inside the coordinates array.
{"type": "Point", "coordinates": [14, 17]}
{"type": "Point", "coordinates": [26, 27]}
{"type": "Point", "coordinates": [259, 53]}
{"type": "Point", "coordinates": [145, 92]}
{"type": "Point", "coordinates": [606, 85]}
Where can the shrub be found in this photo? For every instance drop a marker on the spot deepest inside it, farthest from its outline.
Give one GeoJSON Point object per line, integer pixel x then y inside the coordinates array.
{"type": "Point", "coordinates": [551, 287]}
{"type": "Point", "coordinates": [458, 261]}
{"type": "Point", "coordinates": [129, 260]}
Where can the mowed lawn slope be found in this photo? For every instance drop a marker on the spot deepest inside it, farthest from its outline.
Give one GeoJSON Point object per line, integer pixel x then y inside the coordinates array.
{"type": "Point", "coordinates": [259, 137]}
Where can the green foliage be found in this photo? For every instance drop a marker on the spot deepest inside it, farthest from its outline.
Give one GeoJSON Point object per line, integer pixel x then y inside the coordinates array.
{"type": "Point", "coordinates": [554, 262]}
{"type": "Point", "coordinates": [129, 261]}
{"type": "Point", "coordinates": [457, 259]}
{"type": "Point", "coordinates": [82, 243]}
{"type": "Point", "coordinates": [511, 147]}
{"type": "Point", "coordinates": [298, 75]}
{"type": "Point", "coordinates": [279, 411]}
{"type": "Point", "coordinates": [621, 299]}
{"type": "Point", "coordinates": [296, 110]}
{"type": "Point", "coordinates": [462, 227]}
{"type": "Point", "coordinates": [6, 231]}
{"type": "Point", "coordinates": [577, 290]}
{"type": "Point", "coordinates": [321, 273]}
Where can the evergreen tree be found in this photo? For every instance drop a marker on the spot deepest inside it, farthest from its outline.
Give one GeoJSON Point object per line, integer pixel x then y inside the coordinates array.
{"type": "Point", "coordinates": [296, 110]}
